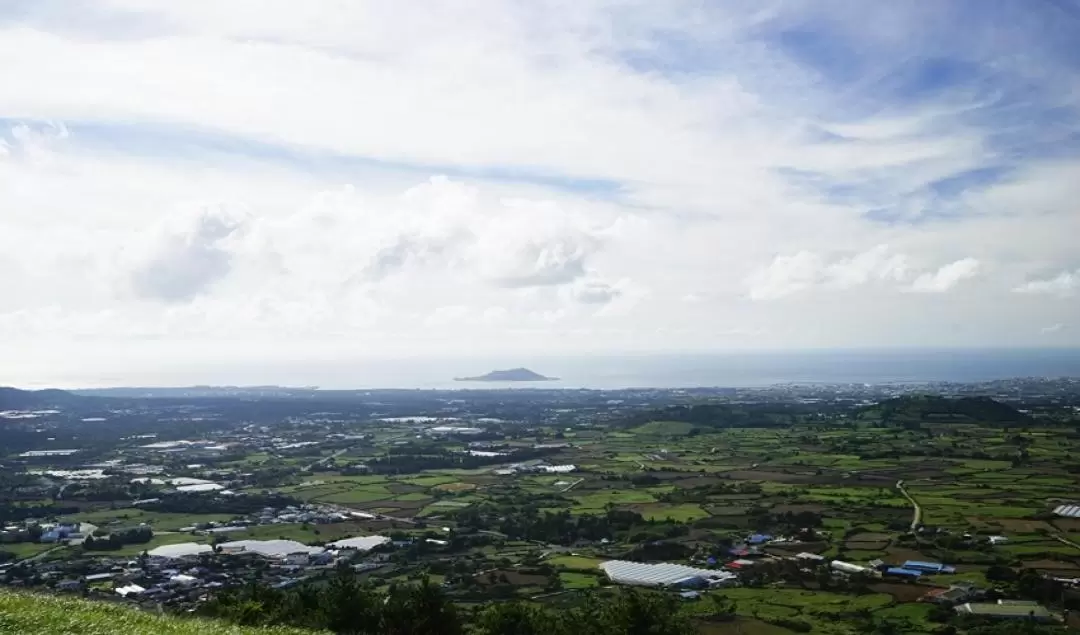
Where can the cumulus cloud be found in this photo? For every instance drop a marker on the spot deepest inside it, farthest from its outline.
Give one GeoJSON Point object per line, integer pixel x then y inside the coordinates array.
{"type": "Point", "coordinates": [1065, 284]}
{"type": "Point", "coordinates": [187, 258]}
{"type": "Point", "coordinates": [946, 277]}
{"type": "Point", "coordinates": [595, 292]}
{"type": "Point", "coordinates": [788, 275]}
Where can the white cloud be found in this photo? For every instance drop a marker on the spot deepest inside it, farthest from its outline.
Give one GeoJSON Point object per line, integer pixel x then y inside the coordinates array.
{"type": "Point", "coordinates": [1065, 284]}
{"type": "Point", "coordinates": [804, 270]}
{"type": "Point", "coordinates": [946, 277]}
{"type": "Point", "coordinates": [186, 259]}
{"type": "Point", "coordinates": [1053, 328]}
{"type": "Point", "coordinates": [200, 172]}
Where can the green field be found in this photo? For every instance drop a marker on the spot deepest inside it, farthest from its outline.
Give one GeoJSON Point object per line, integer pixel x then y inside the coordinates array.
{"type": "Point", "coordinates": [32, 614]}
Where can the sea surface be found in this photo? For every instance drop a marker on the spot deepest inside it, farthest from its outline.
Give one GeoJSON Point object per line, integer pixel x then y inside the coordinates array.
{"type": "Point", "coordinates": [708, 370]}
{"type": "Point", "coordinates": [742, 369]}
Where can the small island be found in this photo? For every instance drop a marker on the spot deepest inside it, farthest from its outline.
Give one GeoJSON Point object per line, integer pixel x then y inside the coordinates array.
{"type": "Point", "coordinates": [513, 374]}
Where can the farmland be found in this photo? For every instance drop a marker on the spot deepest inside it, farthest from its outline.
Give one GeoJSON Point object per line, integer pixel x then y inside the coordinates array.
{"type": "Point", "coordinates": [529, 511]}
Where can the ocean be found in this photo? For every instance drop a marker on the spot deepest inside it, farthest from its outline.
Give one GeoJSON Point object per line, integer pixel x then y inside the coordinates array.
{"type": "Point", "coordinates": [705, 370]}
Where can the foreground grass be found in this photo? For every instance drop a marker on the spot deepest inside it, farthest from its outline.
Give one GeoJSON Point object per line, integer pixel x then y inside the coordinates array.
{"type": "Point", "coordinates": [34, 614]}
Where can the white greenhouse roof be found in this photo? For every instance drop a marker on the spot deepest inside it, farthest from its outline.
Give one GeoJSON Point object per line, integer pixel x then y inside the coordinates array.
{"type": "Point", "coordinates": [636, 573]}
{"type": "Point", "coordinates": [271, 548]}
{"type": "Point", "coordinates": [363, 543]}
{"type": "Point", "coordinates": [180, 550]}
{"type": "Point", "coordinates": [200, 487]}
{"type": "Point", "coordinates": [1069, 511]}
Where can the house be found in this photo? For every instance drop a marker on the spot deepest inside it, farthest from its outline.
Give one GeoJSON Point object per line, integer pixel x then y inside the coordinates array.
{"type": "Point", "coordinates": [847, 567]}
{"type": "Point", "coordinates": [906, 574]}
{"type": "Point", "coordinates": [131, 589]}
{"type": "Point", "coordinates": [1008, 610]}
{"type": "Point", "coordinates": [69, 585]}
{"type": "Point", "coordinates": [759, 539]}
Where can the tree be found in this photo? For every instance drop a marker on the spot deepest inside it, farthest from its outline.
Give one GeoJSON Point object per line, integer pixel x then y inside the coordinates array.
{"type": "Point", "coordinates": [516, 618]}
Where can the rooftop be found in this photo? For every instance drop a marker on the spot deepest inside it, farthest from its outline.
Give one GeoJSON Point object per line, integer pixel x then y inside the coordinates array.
{"type": "Point", "coordinates": [270, 548]}
{"type": "Point", "coordinates": [180, 550]}
{"type": "Point", "coordinates": [1005, 610]}
{"type": "Point", "coordinates": [362, 543]}
{"type": "Point", "coordinates": [625, 572]}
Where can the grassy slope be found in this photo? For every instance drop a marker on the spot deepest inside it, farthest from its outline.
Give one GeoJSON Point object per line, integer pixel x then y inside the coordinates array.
{"type": "Point", "coordinates": [34, 614]}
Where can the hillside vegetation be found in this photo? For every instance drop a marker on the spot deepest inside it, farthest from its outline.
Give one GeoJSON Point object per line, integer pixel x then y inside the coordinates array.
{"type": "Point", "coordinates": [933, 408]}
{"type": "Point", "coordinates": [33, 614]}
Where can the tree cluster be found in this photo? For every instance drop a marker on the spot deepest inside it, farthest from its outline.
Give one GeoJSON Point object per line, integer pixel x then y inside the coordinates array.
{"type": "Point", "coordinates": [117, 539]}
{"type": "Point", "coordinates": [344, 605]}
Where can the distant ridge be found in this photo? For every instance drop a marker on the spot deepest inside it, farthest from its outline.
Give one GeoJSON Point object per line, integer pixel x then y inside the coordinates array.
{"type": "Point", "coordinates": [513, 374]}
{"type": "Point", "coordinates": [17, 399]}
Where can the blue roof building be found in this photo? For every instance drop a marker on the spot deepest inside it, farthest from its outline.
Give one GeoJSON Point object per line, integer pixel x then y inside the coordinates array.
{"type": "Point", "coordinates": [897, 572]}
{"type": "Point", "coordinates": [758, 539]}
{"type": "Point", "coordinates": [928, 567]}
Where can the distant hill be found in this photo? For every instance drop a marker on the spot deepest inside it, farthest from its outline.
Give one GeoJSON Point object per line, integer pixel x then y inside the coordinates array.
{"type": "Point", "coordinates": [34, 614]}
{"type": "Point", "coordinates": [16, 399]}
{"type": "Point", "coordinates": [199, 392]}
{"type": "Point", "coordinates": [513, 374]}
{"type": "Point", "coordinates": [932, 408]}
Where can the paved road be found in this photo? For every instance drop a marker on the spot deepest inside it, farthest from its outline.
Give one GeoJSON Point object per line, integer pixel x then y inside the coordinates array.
{"type": "Point", "coordinates": [335, 455]}
{"type": "Point", "coordinates": [41, 555]}
{"type": "Point", "coordinates": [571, 485]}
{"type": "Point", "coordinates": [916, 518]}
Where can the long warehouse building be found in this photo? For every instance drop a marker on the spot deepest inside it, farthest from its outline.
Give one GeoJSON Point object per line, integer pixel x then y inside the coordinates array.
{"type": "Point", "coordinates": [640, 574]}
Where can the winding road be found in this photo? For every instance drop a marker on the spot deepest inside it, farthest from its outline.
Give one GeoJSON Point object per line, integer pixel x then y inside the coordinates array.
{"type": "Point", "coordinates": [916, 518]}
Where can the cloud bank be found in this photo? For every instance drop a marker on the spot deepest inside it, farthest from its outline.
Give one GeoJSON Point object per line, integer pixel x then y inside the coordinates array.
{"type": "Point", "coordinates": [186, 181]}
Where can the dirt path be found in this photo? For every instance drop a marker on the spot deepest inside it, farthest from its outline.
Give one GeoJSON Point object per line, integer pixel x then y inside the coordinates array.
{"type": "Point", "coordinates": [1064, 540]}
{"type": "Point", "coordinates": [916, 517]}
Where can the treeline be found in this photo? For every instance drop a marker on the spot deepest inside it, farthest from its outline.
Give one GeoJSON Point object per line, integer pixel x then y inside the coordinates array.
{"type": "Point", "coordinates": [12, 512]}
{"type": "Point", "coordinates": [560, 527]}
{"type": "Point", "coordinates": [117, 539]}
{"type": "Point", "coordinates": [345, 606]}
{"type": "Point", "coordinates": [240, 505]}
{"type": "Point", "coordinates": [765, 415]}
{"type": "Point", "coordinates": [934, 408]}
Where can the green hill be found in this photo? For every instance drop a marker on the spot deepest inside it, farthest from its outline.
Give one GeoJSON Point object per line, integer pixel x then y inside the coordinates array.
{"type": "Point", "coordinates": [933, 408]}
{"type": "Point", "coordinates": [34, 614]}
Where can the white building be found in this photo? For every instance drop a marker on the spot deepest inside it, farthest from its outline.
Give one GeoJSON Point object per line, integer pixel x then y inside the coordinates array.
{"type": "Point", "coordinates": [640, 574]}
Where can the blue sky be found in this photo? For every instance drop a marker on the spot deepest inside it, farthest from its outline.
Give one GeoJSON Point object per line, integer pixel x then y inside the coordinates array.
{"type": "Point", "coordinates": [556, 175]}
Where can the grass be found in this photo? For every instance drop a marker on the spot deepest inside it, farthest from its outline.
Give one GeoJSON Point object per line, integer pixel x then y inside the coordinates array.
{"type": "Point", "coordinates": [680, 513]}
{"type": "Point", "coordinates": [25, 549]}
{"type": "Point", "coordinates": [157, 541]}
{"type": "Point", "coordinates": [131, 516]}
{"type": "Point", "coordinates": [572, 580]}
{"type": "Point", "coordinates": [575, 562]}
{"type": "Point", "coordinates": [664, 428]}
{"type": "Point", "coordinates": [32, 614]}
{"type": "Point", "coordinates": [360, 495]}
{"type": "Point", "coordinates": [300, 533]}
{"type": "Point", "coordinates": [622, 497]}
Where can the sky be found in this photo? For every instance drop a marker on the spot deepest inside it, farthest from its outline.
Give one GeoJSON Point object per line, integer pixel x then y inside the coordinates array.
{"type": "Point", "coordinates": [203, 183]}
